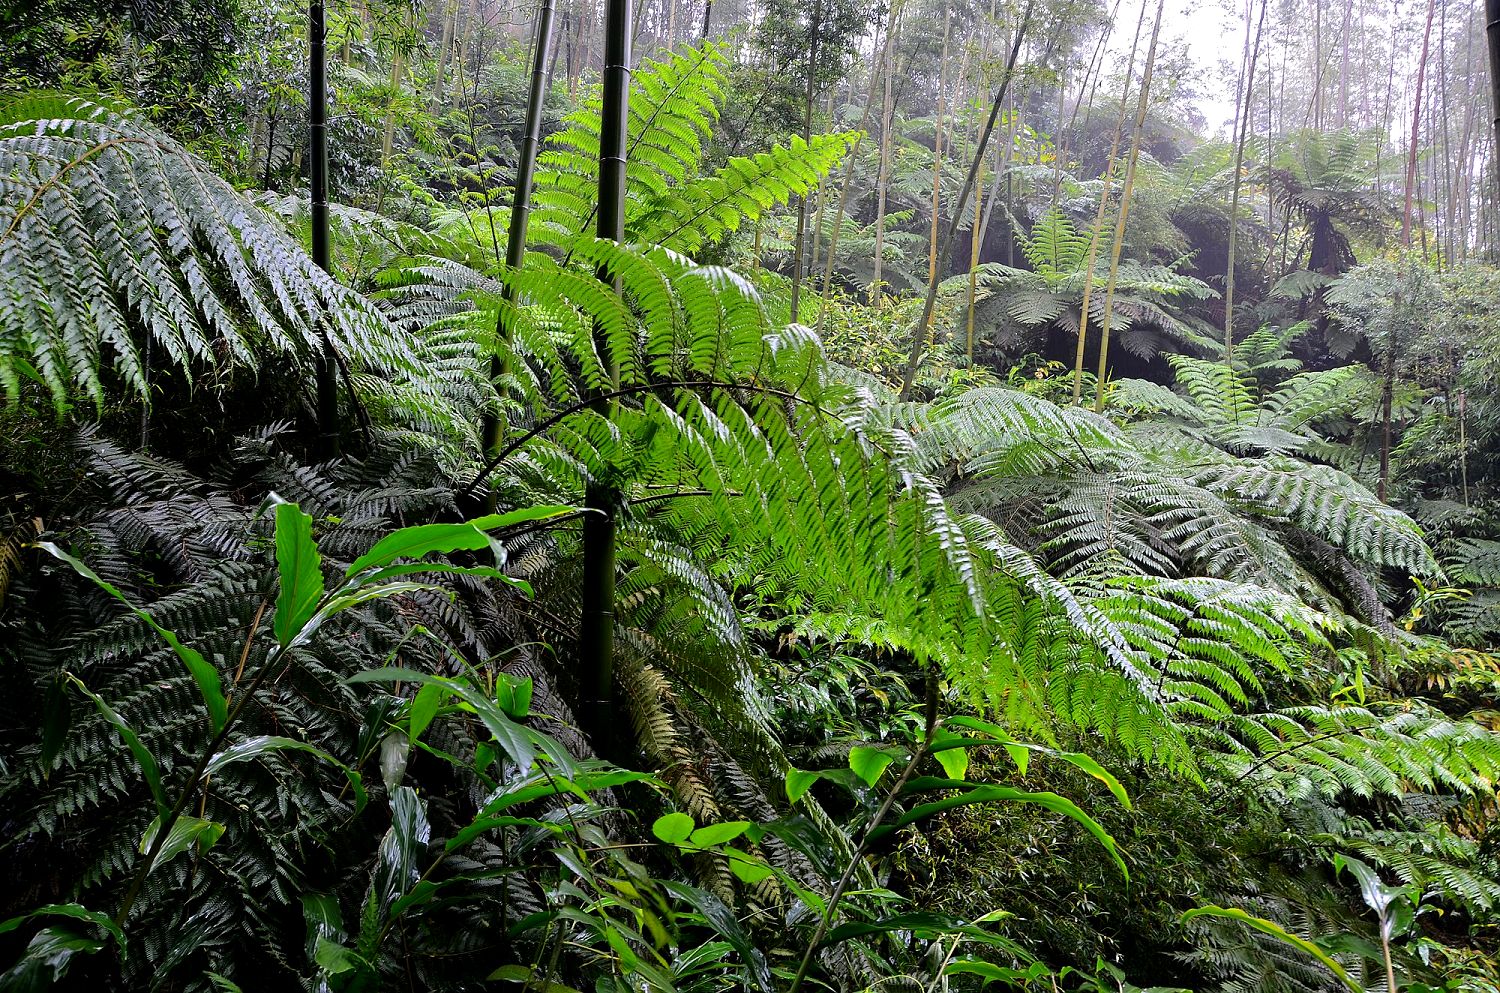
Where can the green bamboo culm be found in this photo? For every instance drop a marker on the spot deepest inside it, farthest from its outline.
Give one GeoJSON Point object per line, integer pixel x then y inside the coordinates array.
{"type": "Point", "coordinates": [326, 370]}
{"type": "Point", "coordinates": [493, 428]}
{"type": "Point", "coordinates": [596, 639]}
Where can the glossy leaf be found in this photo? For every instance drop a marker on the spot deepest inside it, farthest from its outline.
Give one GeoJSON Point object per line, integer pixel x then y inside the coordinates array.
{"type": "Point", "coordinates": [143, 756]}
{"type": "Point", "coordinates": [186, 831]}
{"type": "Point", "coordinates": [869, 763]}
{"type": "Point", "coordinates": [673, 828]}
{"type": "Point", "coordinates": [424, 539]}
{"type": "Point", "coordinates": [1277, 931]}
{"type": "Point", "coordinates": [252, 748]}
{"type": "Point", "coordinates": [204, 675]}
{"type": "Point", "coordinates": [299, 569]}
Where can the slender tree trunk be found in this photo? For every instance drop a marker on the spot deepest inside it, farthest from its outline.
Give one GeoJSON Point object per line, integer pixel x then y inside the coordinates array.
{"type": "Point", "coordinates": [1252, 53]}
{"type": "Point", "coordinates": [1492, 35]}
{"type": "Point", "coordinates": [924, 324]}
{"type": "Point", "coordinates": [450, 18]}
{"type": "Point", "coordinates": [597, 634]}
{"type": "Point", "coordinates": [1416, 120]}
{"type": "Point", "coordinates": [327, 363]}
{"type": "Point", "coordinates": [1388, 384]}
{"type": "Point", "coordinates": [817, 228]}
{"type": "Point", "coordinates": [1344, 64]}
{"type": "Point", "coordinates": [937, 148]}
{"type": "Point", "coordinates": [708, 14]}
{"type": "Point", "coordinates": [881, 67]}
{"type": "Point", "coordinates": [1317, 77]}
{"type": "Point", "coordinates": [492, 429]}
{"type": "Point", "coordinates": [1096, 232]}
{"type": "Point", "coordinates": [1142, 106]}
{"type": "Point", "coordinates": [882, 181]}
{"type": "Point", "coordinates": [974, 248]}
{"type": "Point", "coordinates": [814, 27]}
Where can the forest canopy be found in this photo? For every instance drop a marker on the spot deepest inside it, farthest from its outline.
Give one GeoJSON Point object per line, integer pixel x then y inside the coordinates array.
{"type": "Point", "coordinates": [641, 496]}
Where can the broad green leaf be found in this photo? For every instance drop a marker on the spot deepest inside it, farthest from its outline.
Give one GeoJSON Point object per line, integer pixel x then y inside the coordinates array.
{"type": "Point", "coordinates": [922, 924]}
{"type": "Point", "coordinates": [527, 975]}
{"type": "Point", "coordinates": [300, 570]}
{"type": "Point", "coordinates": [973, 793]}
{"type": "Point", "coordinates": [333, 958]}
{"type": "Point", "coordinates": [717, 834]}
{"type": "Point", "coordinates": [143, 756]}
{"type": "Point", "coordinates": [252, 748]}
{"type": "Point", "coordinates": [73, 910]}
{"type": "Point", "coordinates": [424, 539]}
{"type": "Point", "coordinates": [746, 867]}
{"type": "Point", "coordinates": [520, 743]}
{"type": "Point", "coordinates": [204, 675]}
{"type": "Point", "coordinates": [423, 709]}
{"type": "Point", "coordinates": [951, 751]}
{"type": "Point", "coordinates": [868, 763]}
{"type": "Point", "coordinates": [1093, 768]}
{"type": "Point", "coordinates": [722, 919]}
{"type": "Point", "coordinates": [186, 831]}
{"type": "Point", "coordinates": [1019, 754]}
{"type": "Point", "coordinates": [798, 783]}
{"type": "Point", "coordinates": [1277, 931]}
{"type": "Point", "coordinates": [513, 695]}
{"type": "Point", "coordinates": [673, 828]}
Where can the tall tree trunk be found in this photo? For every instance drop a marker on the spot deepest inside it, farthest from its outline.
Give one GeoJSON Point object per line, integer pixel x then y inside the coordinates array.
{"type": "Point", "coordinates": [708, 14]}
{"type": "Point", "coordinates": [1097, 230]}
{"type": "Point", "coordinates": [317, 113]}
{"type": "Point", "coordinates": [1344, 64]}
{"type": "Point", "coordinates": [882, 181]}
{"type": "Point", "coordinates": [937, 147]}
{"type": "Point", "coordinates": [1142, 106]}
{"type": "Point", "coordinates": [1252, 53]}
{"type": "Point", "coordinates": [1317, 75]}
{"type": "Point", "coordinates": [450, 18]}
{"type": "Point", "coordinates": [520, 214]}
{"type": "Point", "coordinates": [1388, 380]}
{"type": "Point", "coordinates": [974, 248]}
{"type": "Point", "coordinates": [1492, 35]}
{"type": "Point", "coordinates": [817, 228]}
{"type": "Point", "coordinates": [597, 629]}
{"type": "Point", "coordinates": [881, 67]}
{"type": "Point", "coordinates": [814, 28]}
{"type": "Point", "coordinates": [1416, 121]}
{"type": "Point", "coordinates": [924, 324]}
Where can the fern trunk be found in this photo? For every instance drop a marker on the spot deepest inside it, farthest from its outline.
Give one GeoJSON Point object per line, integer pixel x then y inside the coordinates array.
{"type": "Point", "coordinates": [326, 368]}
{"type": "Point", "coordinates": [597, 627]}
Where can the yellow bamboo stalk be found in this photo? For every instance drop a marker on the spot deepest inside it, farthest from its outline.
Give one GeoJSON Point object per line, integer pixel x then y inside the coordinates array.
{"type": "Point", "coordinates": [1142, 105]}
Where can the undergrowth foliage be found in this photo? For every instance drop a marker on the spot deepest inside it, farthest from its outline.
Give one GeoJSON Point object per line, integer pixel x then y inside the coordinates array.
{"type": "Point", "coordinates": [304, 726]}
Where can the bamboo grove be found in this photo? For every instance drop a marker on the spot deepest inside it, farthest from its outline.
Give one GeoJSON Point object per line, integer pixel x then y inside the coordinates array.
{"type": "Point", "coordinates": [720, 495]}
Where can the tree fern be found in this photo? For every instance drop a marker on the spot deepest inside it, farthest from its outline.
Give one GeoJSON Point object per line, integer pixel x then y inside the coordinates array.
{"type": "Point", "coordinates": [122, 253]}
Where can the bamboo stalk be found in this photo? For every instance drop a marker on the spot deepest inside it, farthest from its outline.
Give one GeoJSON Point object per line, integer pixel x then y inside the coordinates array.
{"type": "Point", "coordinates": [1130, 165]}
